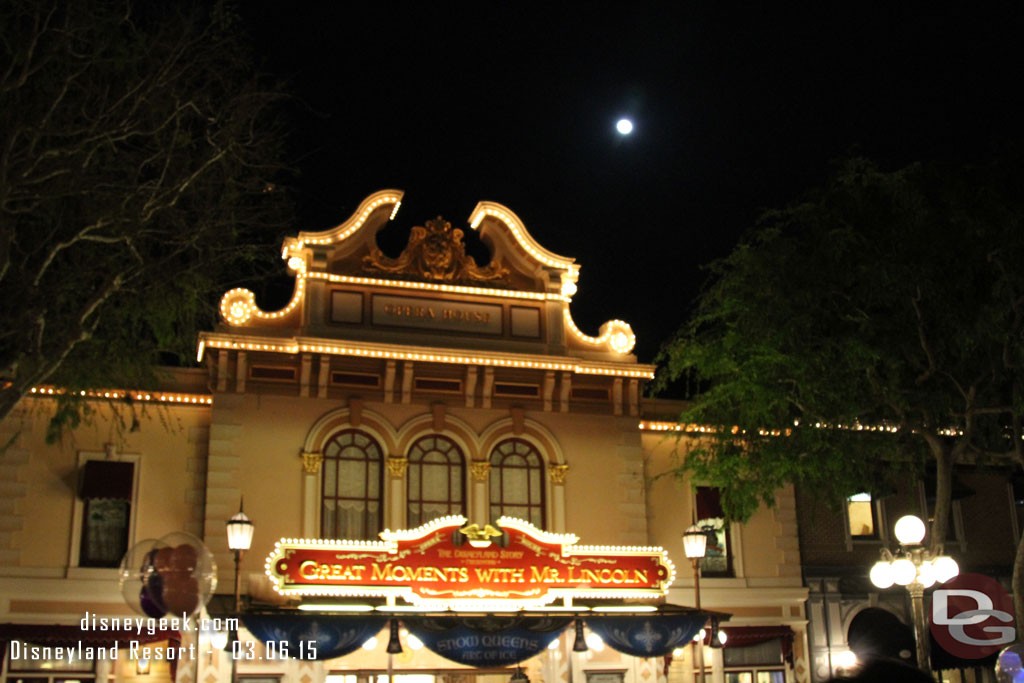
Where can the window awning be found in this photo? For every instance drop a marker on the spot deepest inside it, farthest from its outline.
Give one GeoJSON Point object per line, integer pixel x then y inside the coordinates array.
{"type": "Point", "coordinates": [107, 479]}
{"type": "Point", "coordinates": [745, 636]}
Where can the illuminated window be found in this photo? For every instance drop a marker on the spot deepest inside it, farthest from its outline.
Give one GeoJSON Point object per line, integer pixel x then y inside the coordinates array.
{"type": "Point", "coordinates": [517, 482]}
{"type": "Point", "coordinates": [351, 487]}
{"type": "Point", "coordinates": [437, 480]}
{"type": "Point", "coordinates": [860, 513]}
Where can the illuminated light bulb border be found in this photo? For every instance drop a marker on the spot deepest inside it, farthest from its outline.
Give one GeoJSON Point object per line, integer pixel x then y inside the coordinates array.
{"type": "Point", "coordinates": [390, 545]}
{"type": "Point", "coordinates": [135, 395]}
{"type": "Point", "coordinates": [664, 426]}
{"type": "Point", "coordinates": [440, 287]}
{"type": "Point", "coordinates": [355, 221]}
{"type": "Point", "coordinates": [422, 530]}
{"type": "Point", "coordinates": [238, 305]}
{"type": "Point", "coordinates": [546, 536]}
{"type": "Point", "coordinates": [466, 605]}
{"type": "Point", "coordinates": [617, 335]}
{"type": "Point", "coordinates": [667, 426]}
{"type": "Point", "coordinates": [215, 341]}
{"type": "Point", "coordinates": [518, 230]}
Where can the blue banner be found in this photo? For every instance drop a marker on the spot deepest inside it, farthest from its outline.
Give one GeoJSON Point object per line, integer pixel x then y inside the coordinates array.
{"type": "Point", "coordinates": [487, 641]}
{"type": "Point", "coordinates": [313, 636]}
{"type": "Point", "coordinates": [648, 636]}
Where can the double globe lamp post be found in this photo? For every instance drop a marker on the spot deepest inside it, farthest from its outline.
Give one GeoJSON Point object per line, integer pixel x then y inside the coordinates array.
{"type": "Point", "coordinates": [913, 567]}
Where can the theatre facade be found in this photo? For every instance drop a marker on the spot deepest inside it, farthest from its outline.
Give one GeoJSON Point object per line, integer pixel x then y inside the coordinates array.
{"type": "Point", "coordinates": [447, 479]}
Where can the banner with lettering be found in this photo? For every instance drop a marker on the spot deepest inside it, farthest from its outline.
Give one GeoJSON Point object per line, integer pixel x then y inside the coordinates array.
{"type": "Point", "coordinates": [487, 641]}
{"type": "Point", "coordinates": [448, 564]}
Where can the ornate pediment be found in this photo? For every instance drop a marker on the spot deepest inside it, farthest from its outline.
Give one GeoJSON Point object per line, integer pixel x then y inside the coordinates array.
{"type": "Point", "coordinates": [343, 279]}
{"type": "Point", "coordinates": [436, 253]}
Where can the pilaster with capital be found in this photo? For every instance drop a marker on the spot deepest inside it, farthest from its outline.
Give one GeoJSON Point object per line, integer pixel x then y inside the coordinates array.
{"type": "Point", "coordinates": [557, 473]}
{"type": "Point", "coordinates": [397, 465]}
{"type": "Point", "coordinates": [311, 462]}
{"type": "Point", "coordinates": [394, 517]}
{"type": "Point", "coordinates": [480, 469]}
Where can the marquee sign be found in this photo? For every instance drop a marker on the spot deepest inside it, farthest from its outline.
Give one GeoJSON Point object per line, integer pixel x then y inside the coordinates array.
{"type": "Point", "coordinates": [446, 564]}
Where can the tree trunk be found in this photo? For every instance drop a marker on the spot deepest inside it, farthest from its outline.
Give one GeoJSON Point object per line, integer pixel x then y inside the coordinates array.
{"type": "Point", "coordinates": [943, 495]}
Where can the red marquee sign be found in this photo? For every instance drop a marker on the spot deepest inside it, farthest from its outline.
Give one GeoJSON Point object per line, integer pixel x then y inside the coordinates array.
{"type": "Point", "coordinates": [445, 563]}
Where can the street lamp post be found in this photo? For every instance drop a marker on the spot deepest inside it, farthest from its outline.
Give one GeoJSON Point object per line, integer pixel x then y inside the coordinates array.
{"type": "Point", "coordinates": [913, 567]}
{"type": "Point", "coordinates": [695, 544]}
{"type": "Point", "coordinates": [240, 530]}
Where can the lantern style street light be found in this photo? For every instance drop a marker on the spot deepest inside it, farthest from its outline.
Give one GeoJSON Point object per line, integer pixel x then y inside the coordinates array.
{"type": "Point", "coordinates": [913, 567]}
{"type": "Point", "coordinates": [695, 544]}
{"type": "Point", "coordinates": [240, 530]}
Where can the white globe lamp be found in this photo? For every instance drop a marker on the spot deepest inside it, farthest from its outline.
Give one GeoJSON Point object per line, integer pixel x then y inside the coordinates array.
{"type": "Point", "coordinates": [909, 530]}
{"type": "Point", "coordinates": [903, 572]}
{"type": "Point", "coordinates": [881, 574]}
{"type": "Point", "coordinates": [945, 568]}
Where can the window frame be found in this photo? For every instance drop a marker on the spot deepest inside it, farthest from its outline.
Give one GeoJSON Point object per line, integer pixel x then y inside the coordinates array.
{"type": "Point", "coordinates": [453, 509]}
{"type": "Point", "coordinates": [876, 519]}
{"type": "Point", "coordinates": [75, 568]}
{"type": "Point", "coordinates": [367, 534]}
{"type": "Point", "coordinates": [542, 506]}
{"type": "Point", "coordinates": [730, 554]}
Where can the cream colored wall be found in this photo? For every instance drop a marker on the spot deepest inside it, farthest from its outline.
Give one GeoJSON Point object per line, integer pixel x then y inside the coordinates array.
{"type": "Point", "coordinates": [767, 588]}
{"type": "Point", "coordinates": [256, 441]}
{"type": "Point", "coordinates": [268, 433]}
{"type": "Point", "coordinates": [768, 541]}
{"type": "Point", "coordinates": [168, 441]}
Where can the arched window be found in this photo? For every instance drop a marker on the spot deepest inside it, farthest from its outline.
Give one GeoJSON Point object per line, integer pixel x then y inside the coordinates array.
{"type": "Point", "coordinates": [437, 480]}
{"type": "Point", "coordinates": [350, 497]}
{"type": "Point", "coordinates": [517, 482]}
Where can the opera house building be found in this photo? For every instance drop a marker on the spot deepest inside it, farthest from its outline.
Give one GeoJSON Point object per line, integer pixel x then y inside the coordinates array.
{"type": "Point", "coordinates": [428, 473]}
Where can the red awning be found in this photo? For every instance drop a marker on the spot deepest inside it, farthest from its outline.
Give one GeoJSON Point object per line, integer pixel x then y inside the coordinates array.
{"type": "Point", "coordinates": [745, 636]}
{"type": "Point", "coordinates": [107, 479]}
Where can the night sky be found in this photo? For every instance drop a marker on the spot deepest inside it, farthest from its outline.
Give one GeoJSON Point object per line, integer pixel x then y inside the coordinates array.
{"type": "Point", "coordinates": [736, 109]}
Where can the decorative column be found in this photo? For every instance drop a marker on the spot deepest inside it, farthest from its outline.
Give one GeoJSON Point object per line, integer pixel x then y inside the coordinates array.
{"type": "Point", "coordinates": [480, 503]}
{"type": "Point", "coordinates": [311, 462]}
{"type": "Point", "coordinates": [395, 515]}
{"type": "Point", "coordinates": [556, 475]}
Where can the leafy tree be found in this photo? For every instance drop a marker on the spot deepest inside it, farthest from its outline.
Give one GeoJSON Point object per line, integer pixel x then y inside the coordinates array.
{"type": "Point", "coordinates": [870, 328]}
{"type": "Point", "coordinates": [137, 154]}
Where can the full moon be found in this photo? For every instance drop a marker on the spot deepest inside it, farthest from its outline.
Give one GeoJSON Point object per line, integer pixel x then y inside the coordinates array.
{"type": "Point", "coordinates": [624, 126]}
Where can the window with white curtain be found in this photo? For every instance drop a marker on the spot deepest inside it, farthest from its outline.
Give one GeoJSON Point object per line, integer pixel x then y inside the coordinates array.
{"type": "Point", "coordinates": [436, 480]}
{"type": "Point", "coordinates": [351, 486]}
{"type": "Point", "coordinates": [517, 482]}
